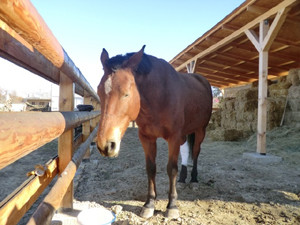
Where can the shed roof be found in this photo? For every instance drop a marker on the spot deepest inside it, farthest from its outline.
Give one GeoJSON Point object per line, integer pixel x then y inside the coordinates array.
{"type": "Point", "coordinates": [227, 58]}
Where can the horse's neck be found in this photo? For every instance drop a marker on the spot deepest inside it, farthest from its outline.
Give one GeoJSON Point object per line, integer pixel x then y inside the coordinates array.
{"type": "Point", "coordinates": [154, 88]}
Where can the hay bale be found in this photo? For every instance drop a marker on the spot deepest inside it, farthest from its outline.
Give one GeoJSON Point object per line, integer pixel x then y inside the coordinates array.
{"type": "Point", "coordinates": [250, 105]}
{"type": "Point", "coordinates": [294, 98]}
{"type": "Point", "coordinates": [230, 104]}
{"type": "Point", "coordinates": [294, 92]}
{"type": "Point", "coordinates": [293, 105]}
{"type": "Point", "coordinates": [279, 89]}
{"type": "Point", "coordinates": [215, 120]}
{"type": "Point", "coordinates": [247, 94]}
{"type": "Point", "coordinates": [294, 77]}
{"type": "Point", "coordinates": [225, 134]}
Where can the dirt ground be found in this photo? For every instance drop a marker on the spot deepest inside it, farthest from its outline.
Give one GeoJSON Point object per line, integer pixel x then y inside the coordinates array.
{"type": "Point", "coordinates": [231, 189]}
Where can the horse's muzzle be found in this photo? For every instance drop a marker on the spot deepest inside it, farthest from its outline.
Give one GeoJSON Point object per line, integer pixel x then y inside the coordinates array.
{"type": "Point", "coordinates": [111, 149]}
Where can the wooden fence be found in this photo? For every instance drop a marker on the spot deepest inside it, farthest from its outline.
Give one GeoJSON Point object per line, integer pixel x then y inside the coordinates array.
{"type": "Point", "coordinates": [26, 40]}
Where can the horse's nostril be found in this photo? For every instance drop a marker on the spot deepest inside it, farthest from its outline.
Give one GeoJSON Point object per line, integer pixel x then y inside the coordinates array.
{"type": "Point", "coordinates": [112, 145]}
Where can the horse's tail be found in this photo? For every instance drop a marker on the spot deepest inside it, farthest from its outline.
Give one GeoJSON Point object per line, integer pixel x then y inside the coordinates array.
{"type": "Point", "coordinates": [191, 142]}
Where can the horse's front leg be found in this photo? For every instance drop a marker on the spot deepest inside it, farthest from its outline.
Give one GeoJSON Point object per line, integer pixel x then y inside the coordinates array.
{"type": "Point", "coordinates": [172, 169]}
{"type": "Point", "coordinates": [149, 146]}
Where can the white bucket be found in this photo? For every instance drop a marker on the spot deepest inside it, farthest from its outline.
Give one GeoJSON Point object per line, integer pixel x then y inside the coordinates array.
{"type": "Point", "coordinates": [95, 216]}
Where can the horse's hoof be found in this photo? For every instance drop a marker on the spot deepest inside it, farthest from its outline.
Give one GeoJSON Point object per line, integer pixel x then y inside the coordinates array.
{"type": "Point", "coordinates": [181, 181]}
{"type": "Point", "coordinates": [183, 174]}
{"type": "Point", "coordinates": [147, 212]}
{"type": "Point", "coordinates": [172, 213]}
{"type": "Point", "coordinates": [194, 180]}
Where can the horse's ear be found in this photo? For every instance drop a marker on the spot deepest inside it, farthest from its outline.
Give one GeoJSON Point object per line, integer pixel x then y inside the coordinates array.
{"type": "Point", "coordinates": [104, 57]}
{"type": "Point", "coordinates": [135, 60]}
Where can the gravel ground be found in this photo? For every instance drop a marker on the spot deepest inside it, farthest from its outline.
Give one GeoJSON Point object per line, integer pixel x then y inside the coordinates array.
{"type": "Point", "coordinates": [231, 189]}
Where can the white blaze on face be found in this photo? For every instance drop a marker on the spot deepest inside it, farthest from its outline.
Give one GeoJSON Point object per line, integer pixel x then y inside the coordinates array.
{"type": "Point", "coordinates": [108, 85]}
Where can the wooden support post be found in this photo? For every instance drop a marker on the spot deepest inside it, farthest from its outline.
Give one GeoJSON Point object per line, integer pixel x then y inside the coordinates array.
{"type": "Point", "coordinates": [262, 90]}
{"type": "Point", "coordinates": [263, 43]}
{"type": "Point", "coordinates": [65, 141]}
{"type": "Point", "coordinates": [86, 126]}
{"type": "Point", "coordinates": [191, 66]}
{"type": "Point", "coordinates": [262, 103]}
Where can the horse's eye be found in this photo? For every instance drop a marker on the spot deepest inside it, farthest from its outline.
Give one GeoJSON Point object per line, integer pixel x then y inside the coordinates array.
{"type": "Point", "coordinates": [126, 95]}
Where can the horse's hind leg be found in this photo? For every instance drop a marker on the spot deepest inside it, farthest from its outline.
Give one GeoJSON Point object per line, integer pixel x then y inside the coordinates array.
{"type": "Point", "coordinates": [199, 136]}
{"type": "Point", "coordinates": [149, 146]}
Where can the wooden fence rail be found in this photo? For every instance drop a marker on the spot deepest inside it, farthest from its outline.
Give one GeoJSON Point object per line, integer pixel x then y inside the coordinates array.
{"type": "Point", "coordinates": [26, 40]}
{"type": "Point", "coordinates": [24, 132]}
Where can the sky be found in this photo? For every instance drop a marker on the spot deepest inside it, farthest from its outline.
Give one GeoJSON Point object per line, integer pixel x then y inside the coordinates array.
{"type": "Point", "coordinates": [84, 28]}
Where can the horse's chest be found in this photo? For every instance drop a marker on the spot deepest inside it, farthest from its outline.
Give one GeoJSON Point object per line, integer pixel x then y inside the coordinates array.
{"type": "Point", "coordinates": [153, 128]}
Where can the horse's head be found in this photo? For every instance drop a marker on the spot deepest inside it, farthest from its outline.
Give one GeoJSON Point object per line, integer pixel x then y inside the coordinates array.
{"type": "Point", "coordinates": [120, 101]}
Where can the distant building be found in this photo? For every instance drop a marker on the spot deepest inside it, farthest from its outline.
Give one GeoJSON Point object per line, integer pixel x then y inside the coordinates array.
{"type": "Point", "coordinates": [38, 104]}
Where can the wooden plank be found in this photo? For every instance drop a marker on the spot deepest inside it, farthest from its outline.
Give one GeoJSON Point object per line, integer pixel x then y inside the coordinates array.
{"type": "Point", "coordinates": [46, 209]}
{"type": "Point", "coordinates": [238, 33]}
{"type": "Point", "coordinates": [21, 16]}
{"type": "Point", "coordinates": [65, 141]}
{"type": "Point", "coordinates": [14, 206]}
{"type": "Point", "coordinates": [16, 51]}
{"type": "Point", "coordinates": [23, 132]}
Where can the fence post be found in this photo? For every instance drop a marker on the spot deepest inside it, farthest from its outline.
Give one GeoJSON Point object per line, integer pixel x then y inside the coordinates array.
{"type": "Point", "coordinates": [86, 126]}
{"type": "Point", "coordinates": [65, 141]}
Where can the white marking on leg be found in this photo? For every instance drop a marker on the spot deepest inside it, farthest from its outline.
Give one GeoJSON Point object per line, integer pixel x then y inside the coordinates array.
{"type": "Point", "coordinates": [184, 152]}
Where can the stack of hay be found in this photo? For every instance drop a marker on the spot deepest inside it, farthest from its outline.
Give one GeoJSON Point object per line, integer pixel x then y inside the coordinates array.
{"type": "Point", "coordinates": [292, 115]}
{"type": "Point", "coordinates": [237, 117]}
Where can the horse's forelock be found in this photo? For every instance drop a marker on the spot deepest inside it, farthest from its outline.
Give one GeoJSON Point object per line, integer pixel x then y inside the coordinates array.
{"type": "Point", "coordinates": [117, 62]}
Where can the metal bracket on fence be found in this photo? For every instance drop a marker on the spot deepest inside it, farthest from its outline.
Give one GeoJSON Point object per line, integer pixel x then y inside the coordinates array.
{"type": "Point", "coordinates": [39, 170]}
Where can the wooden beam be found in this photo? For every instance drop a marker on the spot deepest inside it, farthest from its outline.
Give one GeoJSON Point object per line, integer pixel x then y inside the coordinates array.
{"type": "Point", "coordinates": [22, 133]}
{"type": "Point", "coordinates": [14, 206]}
{"type": "Point", "coordinates": [274, 29]}
{"type": "Point", "coordinates": [69, 68]}
{"type": "Point", "coordinates": [191, 67]}
{"type": "Point", "coordinates": [256, 9]}
{"type": "Point", "coordinates": [238, 32]}
{"type": "Point", "coordinates": [15, 50]}
{"type": "Point", "coordinates": [253, 38]}
{"type": "Point", "coordinates": [26, 21]}
{"type": "Point", "coordinates": [33, 130]}
{"type": "Point", "coordinates": [65, 141]}
{"type": "Point", "coordinates": [228, 18]}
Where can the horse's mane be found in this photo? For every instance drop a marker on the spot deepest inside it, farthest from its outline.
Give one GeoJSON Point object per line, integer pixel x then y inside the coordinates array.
{"type": "Point", "coordinates": [116, 63]}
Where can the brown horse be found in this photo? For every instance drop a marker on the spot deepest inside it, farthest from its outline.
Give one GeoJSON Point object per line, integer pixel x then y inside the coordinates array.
{"type": "Point", "coordinates": [164, 104]}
